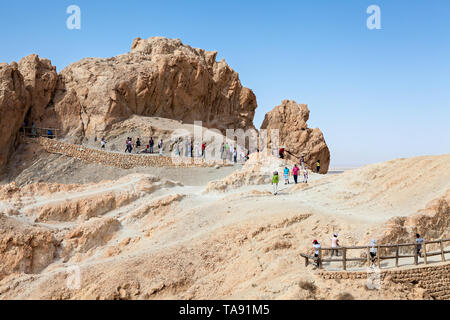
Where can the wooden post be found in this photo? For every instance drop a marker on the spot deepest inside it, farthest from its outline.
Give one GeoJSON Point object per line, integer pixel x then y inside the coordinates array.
{"type": "Point", "coordinates": [425, 252]}
{"type": "Point", "coordinates": [320, 258]}
{"type": "Point", "coordinates": [378, 257]}
{"type": "Point", "coordinates": [397, 249]}
{"type": "Point", "coordinates": [368, 257]}
{"type": "Point", "coordinates": [442, 251]}
{"type": "Point", "coordinates": [344, 258]}
{"type": "Point", "coordinates": [416, 256]}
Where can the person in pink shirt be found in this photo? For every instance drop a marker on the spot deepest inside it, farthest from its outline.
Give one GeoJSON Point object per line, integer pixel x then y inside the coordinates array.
{"type": "Point", "coordinates": [295, 172]}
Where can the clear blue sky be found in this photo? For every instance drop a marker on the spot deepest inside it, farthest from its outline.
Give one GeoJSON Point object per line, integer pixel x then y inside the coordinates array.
{"type": "Point", "coordinates": [375, 94]}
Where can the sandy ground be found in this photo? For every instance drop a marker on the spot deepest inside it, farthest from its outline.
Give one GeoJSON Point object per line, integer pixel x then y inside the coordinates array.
{"type": "Point", "coordinates": [183, 241]}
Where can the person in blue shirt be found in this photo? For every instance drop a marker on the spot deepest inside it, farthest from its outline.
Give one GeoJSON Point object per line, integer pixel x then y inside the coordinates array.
{"type": "Point", "coordinates": [286, 175]}
{"type": "Point", "coordinates": [419, 242]}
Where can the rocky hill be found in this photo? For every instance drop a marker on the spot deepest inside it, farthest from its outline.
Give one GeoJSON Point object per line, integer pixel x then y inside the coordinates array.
{"type": "Point", "coordinates": [290, 119]}
{"type": "Point", "coordinates": [159, 77]}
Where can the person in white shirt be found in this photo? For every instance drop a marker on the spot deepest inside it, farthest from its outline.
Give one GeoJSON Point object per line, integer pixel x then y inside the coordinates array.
{"type": "Point", "coordinates": [160, 145]}
{"type": "Point", "coordinates": [335, 244]}
{"type": "Point", "coordinates": [316, 246]}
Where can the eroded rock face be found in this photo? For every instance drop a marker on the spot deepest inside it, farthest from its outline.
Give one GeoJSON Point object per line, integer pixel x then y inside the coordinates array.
{"type": "Point", "coordinates": [40, 79]}
{"type": "Point", "coordinates": [26, 90]}
{"type": "Point", "coordinates": [14, 104]}
{"type": "Point", "coordinates": [431, 223]}
{"type": "Point", "coordinates": [25, 248]}
{"type": "Point", "coordinates": [291, 119]}
{"type": "Point", "coordinates": [159, 77]}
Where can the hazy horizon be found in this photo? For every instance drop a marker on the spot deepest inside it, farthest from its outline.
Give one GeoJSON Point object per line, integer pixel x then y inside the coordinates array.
{"type": "Point", "coordinates": [375, 94]}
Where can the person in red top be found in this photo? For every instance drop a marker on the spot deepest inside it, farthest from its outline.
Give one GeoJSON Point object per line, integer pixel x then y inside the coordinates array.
{"type": "Point", "coordinates": [295, 171]}
{"type": "Point", "coordinates": [281, 153]}
{"type": "Point", "coordinates": [203, 149]}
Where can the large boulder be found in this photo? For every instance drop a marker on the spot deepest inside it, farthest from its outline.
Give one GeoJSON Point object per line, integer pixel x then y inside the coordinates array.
{"type": "Point", "coordinates": [14, 104]}
{"type": "Point", "coordinates": [290, 119]}
{"type": "Point", "coordinates": [159, 77]}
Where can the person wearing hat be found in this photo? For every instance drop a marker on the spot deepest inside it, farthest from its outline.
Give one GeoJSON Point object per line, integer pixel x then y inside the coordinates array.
{"type": "Point", "coordinates": [316, 246]}
{"type": "Point", "coordinates": [335, 244]}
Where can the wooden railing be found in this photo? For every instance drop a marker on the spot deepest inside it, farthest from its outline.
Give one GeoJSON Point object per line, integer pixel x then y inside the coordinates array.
{"type": "Point", "coordinates": [33, 132]}
{"type": "Point", "coordinates": [394, 248]}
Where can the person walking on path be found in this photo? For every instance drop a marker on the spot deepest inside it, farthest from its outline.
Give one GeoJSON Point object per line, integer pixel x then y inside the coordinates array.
{"type": "Point", "coordinates": [203, 149]}
{"type": "Point", "coordinates": [305, 176]}
{"type": "Point", "coordinates": [129, 145]}
{"type": "Point", "coordinates": [160, 146]}
{"type": "Point", "coordinates": [373, 251]}
{"type": "Point", "coordinates": [335, 244]}
{"type": "Point", "coordinates": [318, 166]}
{"type": "Point", "coordinates": [235, 155]}
{"type": "Point", "coordinates": [316, 247]}
{"type": "Point", "coordinates": [419, 242]}
{"type": "Point", "coordinates": [138, 145]}
{"type": "Point", "coordinates": [286, 175]}
{"type": "Point", "coordinates": [151, 143]}
{"type": "Point", "coordinates": [103, 143]}
{"type": "Point", "coordinates": [295, 171]}
{"type": "Point", "coordinates": [275, 181]}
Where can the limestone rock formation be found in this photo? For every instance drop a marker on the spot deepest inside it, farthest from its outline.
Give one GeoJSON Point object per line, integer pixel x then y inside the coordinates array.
{"type": "Point", "coordinates": [291, 119]}
{"type": "Point", "coordinates": [40, 79]}
{"type": "Point", "coordinates": [14, 102]}
{"type": "Point", "coordinates": [159, 77]}
{"type": "Point", "coordinates": [25, 248]}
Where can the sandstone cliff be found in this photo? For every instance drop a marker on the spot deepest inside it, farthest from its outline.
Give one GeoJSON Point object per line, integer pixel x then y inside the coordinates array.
{"type": "Point", "coordinates": [291, 119]}
{"type": "Point", "coordinates": [14, 103]}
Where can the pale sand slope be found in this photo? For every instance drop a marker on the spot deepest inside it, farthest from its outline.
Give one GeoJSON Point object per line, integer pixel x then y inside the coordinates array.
{"type": "Point", "coordinates": [178, 241]}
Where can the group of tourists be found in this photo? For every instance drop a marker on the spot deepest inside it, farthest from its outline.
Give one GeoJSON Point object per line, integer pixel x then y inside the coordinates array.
{"type": "Point", "coordinates": [373, 251]}
{"type": "Point", "coordinates": [230, 152]}
{"type": "Point", "coordinates": [137, 145]}
{"type": "Point", "coordinates": [296, 171]}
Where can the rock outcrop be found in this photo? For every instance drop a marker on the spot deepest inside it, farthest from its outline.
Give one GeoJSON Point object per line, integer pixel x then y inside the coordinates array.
{"type": "Point", "coordinates": [14, 103]}
{"type": "Point", "coordinates": [159, 77]}
{"type": "Point", "coordinates": [25, 248]}
{"type": "Point", "coordinates": [40, 79]}
{"type": "Point", "coordinates": [291, 119]}
{"type": "Point", "coordinates": [26, 90]}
